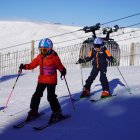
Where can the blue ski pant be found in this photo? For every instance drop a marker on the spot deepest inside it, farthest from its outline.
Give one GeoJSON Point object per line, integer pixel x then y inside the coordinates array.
{"type": "Point", "coordinates": [93, 75]}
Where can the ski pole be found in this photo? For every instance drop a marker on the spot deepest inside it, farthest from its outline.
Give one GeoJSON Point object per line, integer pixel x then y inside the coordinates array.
{"type": "Point", "coordinates": [128, 89]}
{"type": "Point", "coordinates": [81, 75]}
{"type": "Point", "coordinates": [11, 92]}
{"type": "Point", "coordinates": [69, 94]}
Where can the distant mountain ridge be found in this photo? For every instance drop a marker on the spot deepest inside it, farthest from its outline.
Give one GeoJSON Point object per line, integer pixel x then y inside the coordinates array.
{"type": "Point", "coordinates": [19, 32]}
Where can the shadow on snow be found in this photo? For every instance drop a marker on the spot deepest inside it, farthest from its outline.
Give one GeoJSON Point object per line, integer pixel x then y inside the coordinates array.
{"type": "Point", "coordinates": [8, 77]}
{"type": "Point", "coordinates": [115, 118]}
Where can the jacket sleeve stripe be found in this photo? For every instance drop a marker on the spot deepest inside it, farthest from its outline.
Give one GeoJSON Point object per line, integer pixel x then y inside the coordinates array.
{"type": "Point", "coordinates": [108, 53]}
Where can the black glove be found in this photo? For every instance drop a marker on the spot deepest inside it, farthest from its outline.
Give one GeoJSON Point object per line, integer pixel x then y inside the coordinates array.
{"type": "Point", "coordinates": [22, 66]}
{"type": "Point", "coordinates": [63, 72]}
{"type": "Point", "coordinates": [80, 61]}
{"type": "Point", "coordinates": [113, 60]}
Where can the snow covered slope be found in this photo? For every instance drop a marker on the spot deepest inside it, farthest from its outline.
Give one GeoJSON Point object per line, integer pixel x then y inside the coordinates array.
{"type": "Point", "coordinates": [19, 32]}
{"type": "Point", "coordinates": [117, 118]}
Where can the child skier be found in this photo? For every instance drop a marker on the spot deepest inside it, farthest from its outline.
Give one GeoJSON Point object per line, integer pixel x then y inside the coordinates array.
{"type": "Point", "coordinates": [99, 55]}
{"type": "Point", "coordinates": [48, 62]}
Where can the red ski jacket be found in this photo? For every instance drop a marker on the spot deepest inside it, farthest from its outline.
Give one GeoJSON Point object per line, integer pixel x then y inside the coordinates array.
{"type": "Point", "coordinates": [48, 67]}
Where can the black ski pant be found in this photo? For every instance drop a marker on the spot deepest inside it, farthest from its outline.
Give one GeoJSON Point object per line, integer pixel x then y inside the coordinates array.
{"type": "Point", "coordinates": [103, 78]}
{"type": "Point", "coordinates": [51, 96]}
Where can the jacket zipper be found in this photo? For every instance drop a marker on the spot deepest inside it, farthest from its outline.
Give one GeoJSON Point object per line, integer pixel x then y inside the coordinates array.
{"type": "Point", "coordinates": [97, 60]}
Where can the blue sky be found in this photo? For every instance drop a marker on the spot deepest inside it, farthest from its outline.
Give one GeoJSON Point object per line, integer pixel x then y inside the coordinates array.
{"type": "Point", "coordinates": [71, 12]}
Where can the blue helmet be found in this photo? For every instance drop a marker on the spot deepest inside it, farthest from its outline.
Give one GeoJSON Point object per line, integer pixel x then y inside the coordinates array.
{"type": "Point", "coordinates": [98, 41]}
{"type": "Point", "coordinates": [45, 43]}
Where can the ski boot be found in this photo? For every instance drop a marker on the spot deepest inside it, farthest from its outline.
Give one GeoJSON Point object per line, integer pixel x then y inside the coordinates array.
{"type": "Point", "coordinates": [32, 115]}
{"type": "Point", "coordinates": [105, 94]}
{"type": "Point", "coordinates": [85, 93]}
{"type": "Point", "coordinates": [56, 116]}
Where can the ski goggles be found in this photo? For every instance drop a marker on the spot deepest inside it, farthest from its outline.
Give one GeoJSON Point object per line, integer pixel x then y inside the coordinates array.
{"type": "Point", "coordinates": [43, 50]}
{"type": "Point", "coordinates": [97, 46]}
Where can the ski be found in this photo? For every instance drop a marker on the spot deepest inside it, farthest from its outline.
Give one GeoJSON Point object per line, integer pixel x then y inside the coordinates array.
{"type": "Point", "coordinates": [81, 98]}
{"type": "Point", "coordinates": [21, 124]}
{"type": "Point", "coordinates": [24, 122]}
{"type": "Point", "coordinates": [43, 126]}
{"type": "Point", "coordinates": [100, 99]}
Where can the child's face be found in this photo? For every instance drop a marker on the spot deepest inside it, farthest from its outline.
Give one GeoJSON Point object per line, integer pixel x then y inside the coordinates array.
{"type": "Point", "coordinates": [97, 49]}
{"type": "Point", "coordinates": [44, 51]}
